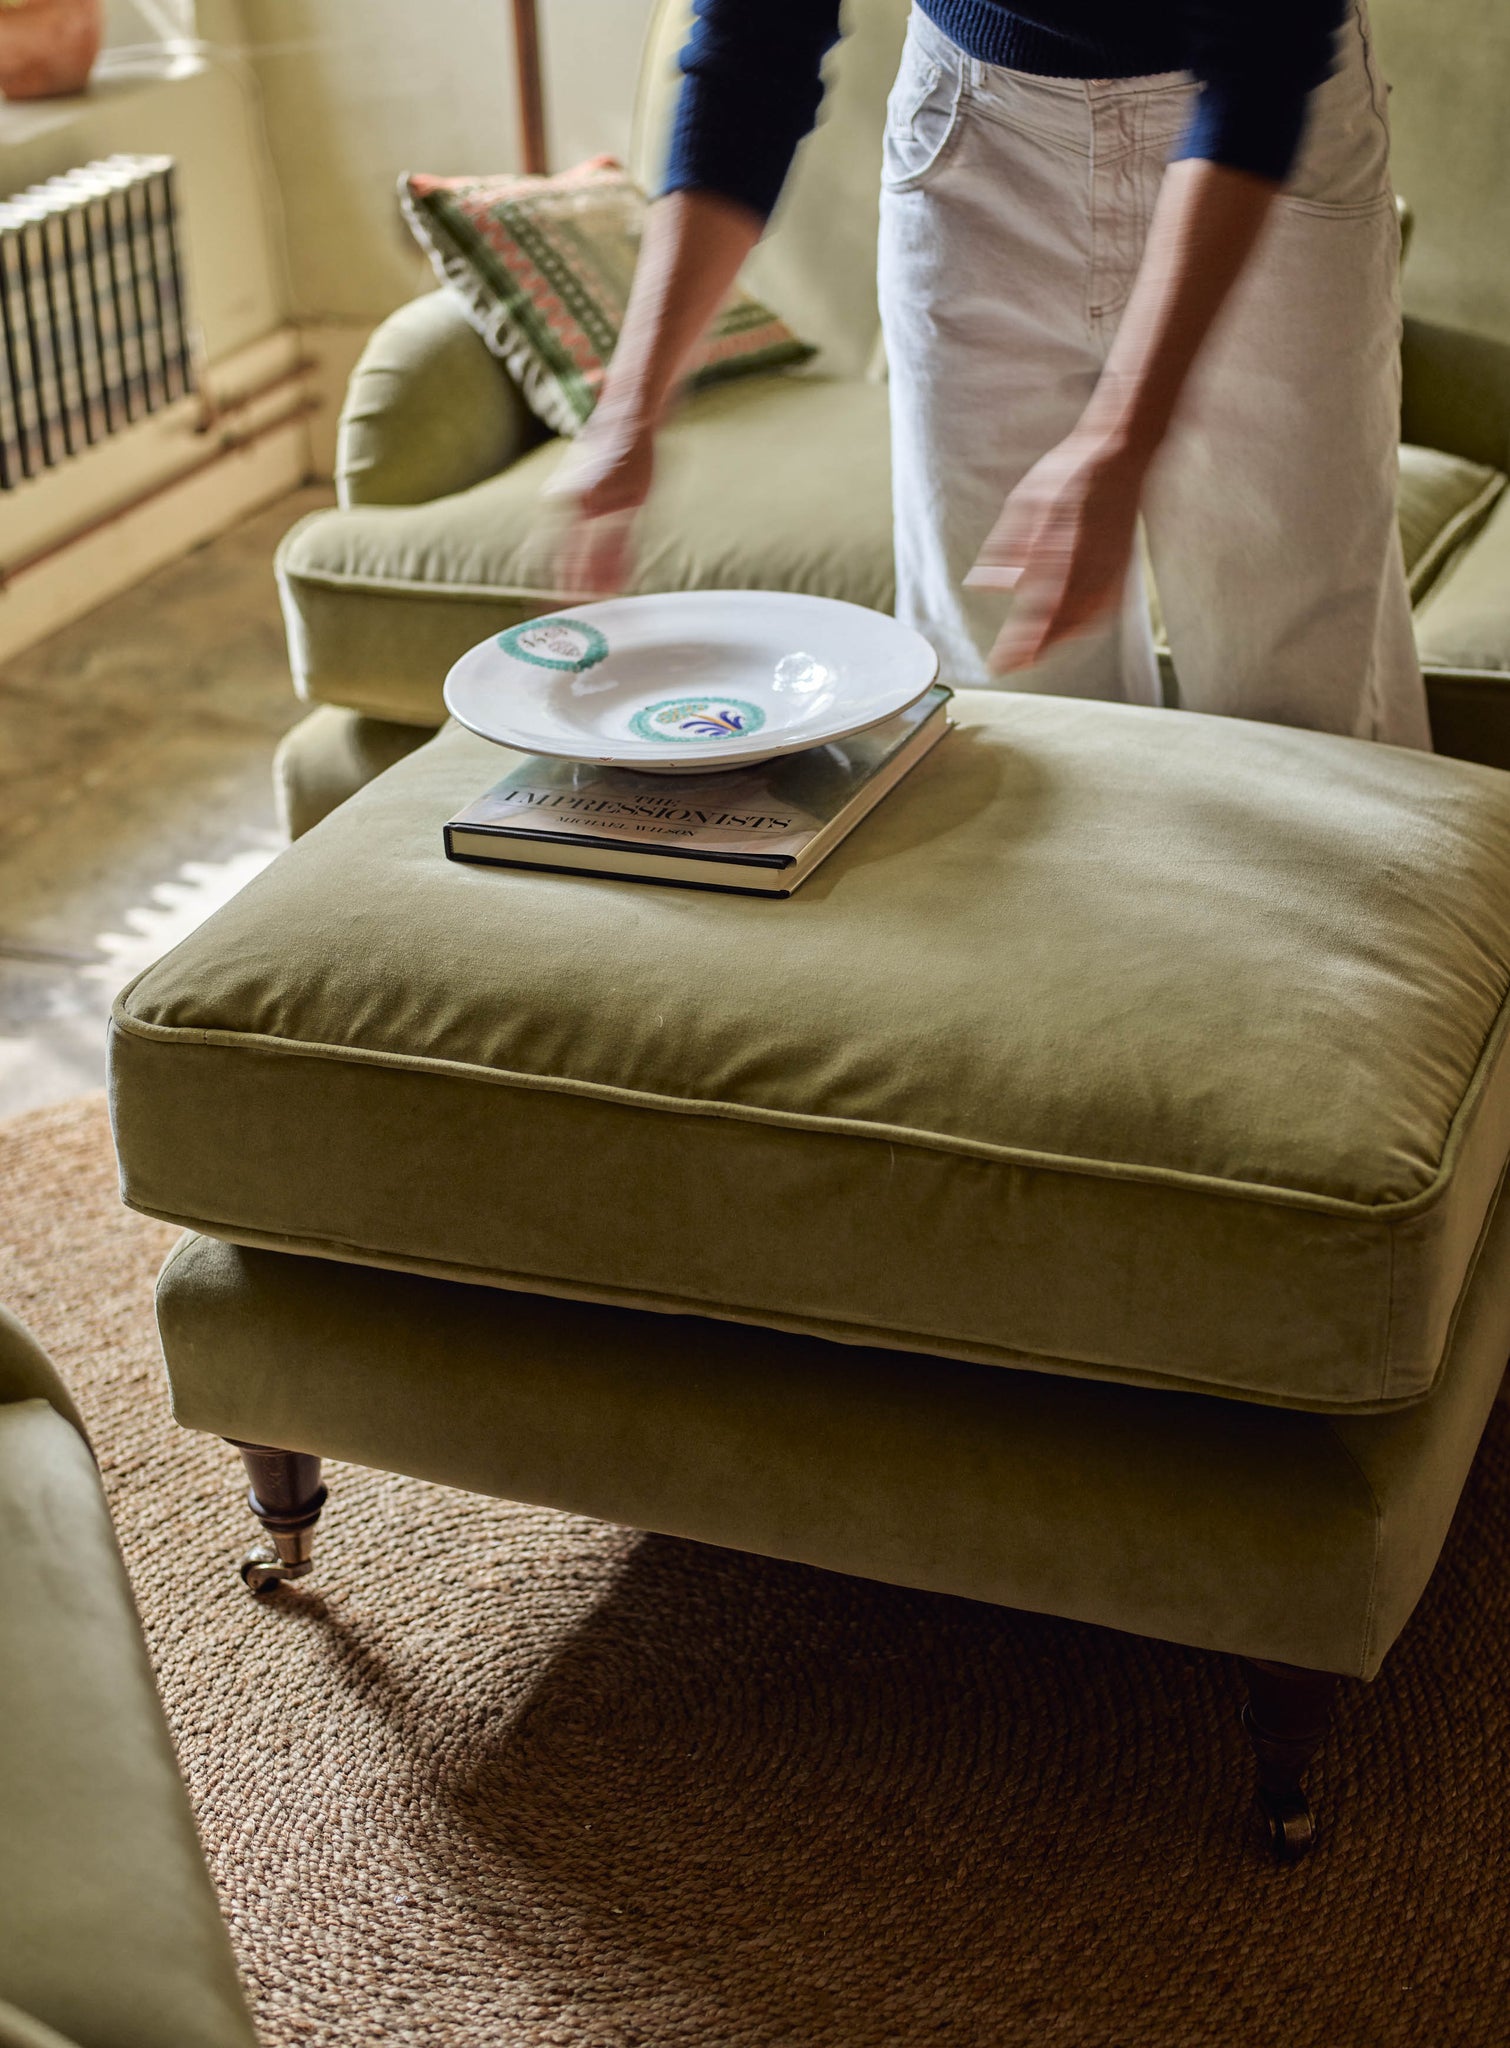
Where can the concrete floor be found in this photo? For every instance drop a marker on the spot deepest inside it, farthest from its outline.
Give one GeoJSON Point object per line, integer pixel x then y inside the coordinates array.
{"type": "Point", "coordinates": [135, 793]}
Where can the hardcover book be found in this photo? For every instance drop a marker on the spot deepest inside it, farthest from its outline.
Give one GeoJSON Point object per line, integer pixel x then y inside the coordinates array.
{"type": "Point", "coordinates": [759, 830]}
{"type": "Point", "coordinates": [64, 337]}
{"type": "Point", "coordinates": [18, 345]}
{"type": "Point", "coordinates": [144, 271]}
{"type": "Point", "coordinates": [101, 271]}
{"type": "Point", "coordinates": [12, 447]}
{"type": "Point", "coordinates": [162, 205]}
{"type": "Point", "coordinates": [91, 362]}
{"type": "Point", "coordinates": [127, 313]}
{"type": "Point", "coordinates": [32, 241]}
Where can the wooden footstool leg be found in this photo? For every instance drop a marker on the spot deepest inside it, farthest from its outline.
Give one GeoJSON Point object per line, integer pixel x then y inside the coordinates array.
{"type": "Point", "coordinates": [286, 1497]}
{"type": "Point", "coordinates": [1285, 1719]}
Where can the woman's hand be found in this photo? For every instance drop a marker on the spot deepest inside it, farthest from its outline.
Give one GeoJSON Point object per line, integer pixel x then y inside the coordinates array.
{"type": "Point", "coordinates": [602, 484]}
{"type": "Point", "coordinates": [1063, 544]}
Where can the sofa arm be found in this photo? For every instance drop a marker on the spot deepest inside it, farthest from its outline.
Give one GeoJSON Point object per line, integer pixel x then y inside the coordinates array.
{"type": "Point", "coordinates": [109, 1927]}
{"type": "Point", "coordinates": [27, 1374]}
{"type": "Point", "coordinates": [428, 410]}
{"type": "Point", "coordinates": [1456, 392]}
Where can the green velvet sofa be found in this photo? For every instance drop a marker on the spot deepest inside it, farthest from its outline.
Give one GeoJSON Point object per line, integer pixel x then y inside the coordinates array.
{"type": "Point", "coordinates": [778, 482]}
{"type": "Point", "coordinates": [109, 1932]}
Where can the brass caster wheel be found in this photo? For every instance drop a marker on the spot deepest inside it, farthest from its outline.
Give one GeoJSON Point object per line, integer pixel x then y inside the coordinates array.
{"type": "Point", "coordinates": [1289, 1824]}
{"type": "Point", "coordinates": [263, 1570]}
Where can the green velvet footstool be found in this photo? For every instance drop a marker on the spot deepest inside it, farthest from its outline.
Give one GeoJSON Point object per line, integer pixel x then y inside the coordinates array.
{"type": "Point", "coordinates": [1082, 1196]}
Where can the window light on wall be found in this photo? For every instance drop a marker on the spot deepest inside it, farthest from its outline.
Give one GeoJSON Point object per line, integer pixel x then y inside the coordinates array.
{"type": "Point", "coordinates": [149, 24]}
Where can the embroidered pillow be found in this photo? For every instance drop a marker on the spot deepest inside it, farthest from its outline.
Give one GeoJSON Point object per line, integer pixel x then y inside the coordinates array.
{"type": "Point", "coordinates": [543, 266]}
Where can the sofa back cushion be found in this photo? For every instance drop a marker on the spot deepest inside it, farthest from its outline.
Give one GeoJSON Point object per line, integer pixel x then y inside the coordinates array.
{"type": "Point", "coordinates": [818, 260]}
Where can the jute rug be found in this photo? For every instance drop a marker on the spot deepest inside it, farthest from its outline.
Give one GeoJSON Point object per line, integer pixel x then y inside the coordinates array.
{"type": "Point", "coordinates": [507, 1776]}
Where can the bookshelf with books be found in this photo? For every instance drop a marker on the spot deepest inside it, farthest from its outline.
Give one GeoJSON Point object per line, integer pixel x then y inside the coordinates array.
{"type": "Point", "coordinates": [94, 329]}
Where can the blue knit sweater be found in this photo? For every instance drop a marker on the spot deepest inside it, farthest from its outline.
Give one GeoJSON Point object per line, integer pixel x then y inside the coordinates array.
{"type": "Point", "coordinates": [751, 88]}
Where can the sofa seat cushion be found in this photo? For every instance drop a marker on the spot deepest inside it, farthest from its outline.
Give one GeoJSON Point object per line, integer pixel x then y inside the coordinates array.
{"type": "Point", "coordinates": [1444, 502]}
{"type": "Point", "coordinates": [109, 1930]}
{"type": "Point", "coordinates": [1455, 527]}
{"type": "Point", "coordinates": [1463, 632]}
{"type": "Point", "coordinates": [778, 482]}
{"type": "Point", "coordinates": [1116, 1042]}
{"type": "Point", "coordinates": [1455, 537]}
{"type": "Point", "coordinates": [1464, 624]}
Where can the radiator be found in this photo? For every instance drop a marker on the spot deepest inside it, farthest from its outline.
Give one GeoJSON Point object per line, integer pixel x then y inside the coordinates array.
{"type": "Point", "coordinates": [94, 325]}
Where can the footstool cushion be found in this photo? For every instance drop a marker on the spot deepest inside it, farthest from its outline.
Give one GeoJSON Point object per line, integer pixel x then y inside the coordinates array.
{"type": "Point", "coordinates": [1117, 1043]}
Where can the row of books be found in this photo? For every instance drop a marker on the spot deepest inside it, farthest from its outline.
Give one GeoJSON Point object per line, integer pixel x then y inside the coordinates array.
{"type": "Point", "coordinates": [93, 317]}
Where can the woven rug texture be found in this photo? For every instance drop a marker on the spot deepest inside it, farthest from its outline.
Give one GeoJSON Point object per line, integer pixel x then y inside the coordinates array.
{"type": "Point", "coordinates": [506, 1776]}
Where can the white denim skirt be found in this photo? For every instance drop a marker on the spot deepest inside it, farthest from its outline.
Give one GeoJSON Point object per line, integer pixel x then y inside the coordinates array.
{"type": "Point", "coordinates": [1013, 218]}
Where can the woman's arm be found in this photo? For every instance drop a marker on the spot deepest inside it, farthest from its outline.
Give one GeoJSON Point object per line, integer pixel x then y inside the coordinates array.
{"type": "Point", "coordinates": [695, 243]}
{"type": "Point", "coordinates": [1206, 225]}
{"type": "Point", "coordinates": [751, 90]}
{"type": "Point", "coordinates": [1066, 534]}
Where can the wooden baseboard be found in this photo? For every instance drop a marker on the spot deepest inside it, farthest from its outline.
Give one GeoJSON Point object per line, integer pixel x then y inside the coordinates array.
{"type": "Point", "coordinates": [88, 530]}
{"type": "Point", "coordinates": [82, 533]}
{"type": "Point", "coordinates": [331, 348]}
{"type": "Point", "coordinates": [129, 545]}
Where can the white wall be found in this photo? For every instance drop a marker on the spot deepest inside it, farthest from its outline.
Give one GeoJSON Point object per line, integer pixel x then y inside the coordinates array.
{"type": "Point", "coordinates": [132, 23]}
{"type": "Point", "coordinates": [1449, 64]}
{"type": "Point", "coordinates": [356, 91]}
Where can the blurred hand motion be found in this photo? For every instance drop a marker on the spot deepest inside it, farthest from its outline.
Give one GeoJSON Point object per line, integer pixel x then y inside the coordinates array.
{"type": "Point", "coordinates": [1065, 536]}
{"type": "Point", "coordinates": [1062, 543]}
{"type": "Point", "coordinates": [600, 487]}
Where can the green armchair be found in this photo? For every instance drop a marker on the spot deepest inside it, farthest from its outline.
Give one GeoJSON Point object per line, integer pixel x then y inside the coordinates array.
{"type": "Point", "coordinates": [110, 1936]}
{"type": "Point", "coordinates": [780, 481]}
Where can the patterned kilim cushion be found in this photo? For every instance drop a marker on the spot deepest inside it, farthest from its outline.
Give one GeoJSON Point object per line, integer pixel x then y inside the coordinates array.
{"type": "Point", "coordinates": [543, 266]}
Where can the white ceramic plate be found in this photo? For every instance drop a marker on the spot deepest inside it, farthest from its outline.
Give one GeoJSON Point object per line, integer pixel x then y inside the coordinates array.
{"type": "Point", "coordinates": [696, 679]}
